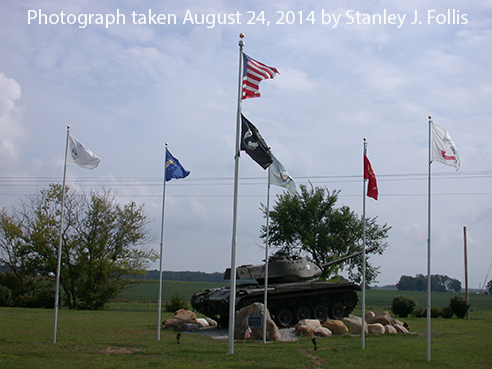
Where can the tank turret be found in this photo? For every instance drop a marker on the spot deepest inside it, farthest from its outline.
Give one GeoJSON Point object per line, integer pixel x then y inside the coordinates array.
{"type": "Point", "coordinates": [282, 268]}
{"type": "Point", "coordinates": [293, 291]}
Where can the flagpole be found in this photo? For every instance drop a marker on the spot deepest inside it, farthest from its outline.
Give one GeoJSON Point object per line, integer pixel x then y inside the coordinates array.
{"type": "Point", "coordinates": [267, 243]}
{"type": "Point", "coordinates": [58, 267]}
{"type": "Point", "coordinates": [232, 299]}
{"type": "Point", "coordinates": [466, 265]}
{"type": "Point", "coordinates": [429, 283]}
{"type": "Point", "coordinates": [363, 330]}
{"type": "Point", "coordinates": [161, 250]}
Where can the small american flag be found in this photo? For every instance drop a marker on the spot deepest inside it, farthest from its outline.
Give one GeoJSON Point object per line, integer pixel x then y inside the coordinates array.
{"type": "Point", "coordinates": [248, 333]}
{"type": "Point", "coordinates": [253, 73]}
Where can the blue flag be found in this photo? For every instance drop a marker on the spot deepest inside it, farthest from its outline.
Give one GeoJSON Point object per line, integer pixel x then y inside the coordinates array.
{"type": "Point", "coordinates": [174, 169]}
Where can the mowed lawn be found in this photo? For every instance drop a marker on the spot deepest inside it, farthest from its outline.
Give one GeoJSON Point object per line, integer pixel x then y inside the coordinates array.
{"type": "Point", "coordinates": [125, 337]}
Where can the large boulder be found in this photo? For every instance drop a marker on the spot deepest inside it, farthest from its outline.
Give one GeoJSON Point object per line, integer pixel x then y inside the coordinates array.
{"type": "Point", "coordinates": [306, 327]}
{"type": "Point", "coordinates": [376, 329]}
{"type": "Point", "coordinates": [322, 332]}
{"type": "Point", "coordinates": [186, 315]}
{"type": "Point", "coordinates": [337, 327]}
{"type": "Point", "coordinates": [389, 329]}
{"type": "Point", "coordinates": [354, 323]}
{"type": "Point", "coordinates": [369, 317]}
{"type": "Point", "coordinates": [400, 329]}
{"type": "Point", "coordinates": [383, 318]}
{"type": "Point", "coordinates": [256, 309]}
{"type": "Point", "coordinates": [202, 323]}
{"type": "Point", "coordinates": [173, 324]}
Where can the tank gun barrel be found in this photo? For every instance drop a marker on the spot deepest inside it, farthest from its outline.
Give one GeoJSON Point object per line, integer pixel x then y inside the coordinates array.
{"type": "Point", "coordinates": [324, 266]}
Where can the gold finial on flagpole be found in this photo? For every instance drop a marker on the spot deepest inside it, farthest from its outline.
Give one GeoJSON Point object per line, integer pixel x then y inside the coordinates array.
{"type": "Point", "coordinates": [365, 139]}
{"type": "Point", "coordinates": [241, 35]}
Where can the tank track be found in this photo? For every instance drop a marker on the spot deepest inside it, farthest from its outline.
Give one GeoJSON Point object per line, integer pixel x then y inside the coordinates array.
{"type": "Point", "coordinates": [289, 307]}
{"type": "Point", "coordinates": [287, 303]}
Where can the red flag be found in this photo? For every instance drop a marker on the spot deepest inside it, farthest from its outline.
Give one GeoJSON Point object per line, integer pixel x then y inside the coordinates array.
{"type": "Point", "coordinates": [372, 185]}
{"type": "Point", "coordinates": [253, 73]}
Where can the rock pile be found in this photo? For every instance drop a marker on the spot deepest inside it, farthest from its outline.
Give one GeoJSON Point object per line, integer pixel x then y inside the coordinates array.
{"type": "Point", "coordinates": [186, 320]}
{"type": "Point", "coordinates": [383, 323]}
{"type": "Point", "coordinates": [374, 324]}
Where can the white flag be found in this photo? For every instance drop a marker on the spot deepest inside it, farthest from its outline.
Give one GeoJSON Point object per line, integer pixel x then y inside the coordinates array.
{"type": "Point", "coordinates": [443, 147]}
{"type": "Point", "coordinates": [280, 177]}
{"type": "Point", "coordinates": [80, 155]}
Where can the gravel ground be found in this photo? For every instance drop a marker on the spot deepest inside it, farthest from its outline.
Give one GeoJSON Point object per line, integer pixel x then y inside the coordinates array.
{"type": "Point", "coordinates": [287, 334]}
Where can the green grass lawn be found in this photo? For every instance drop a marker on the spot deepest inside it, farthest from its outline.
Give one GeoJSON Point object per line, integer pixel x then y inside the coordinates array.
{"type": "Point", "coordinates": [119, 338]}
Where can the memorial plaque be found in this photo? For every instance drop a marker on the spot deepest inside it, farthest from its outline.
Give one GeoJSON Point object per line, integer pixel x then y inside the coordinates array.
{"type": "Point", "coordinates": [255, 321]}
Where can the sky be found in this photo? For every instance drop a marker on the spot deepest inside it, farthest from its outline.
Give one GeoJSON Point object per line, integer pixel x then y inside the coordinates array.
{"type": "Point", "coordinates": [139, 74]}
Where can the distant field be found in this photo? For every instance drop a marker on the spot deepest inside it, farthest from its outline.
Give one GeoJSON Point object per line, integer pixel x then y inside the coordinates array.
{"type": "Point", "coordinates": [142, 295]}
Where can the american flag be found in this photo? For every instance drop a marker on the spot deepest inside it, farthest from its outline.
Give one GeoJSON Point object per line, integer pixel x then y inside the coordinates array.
{"type": "Point", "coordinates": [248, 333]}
{"type": "Point", "coordinates": [253, 73]}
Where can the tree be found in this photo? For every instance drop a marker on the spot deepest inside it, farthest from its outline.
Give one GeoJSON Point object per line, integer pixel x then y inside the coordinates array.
{"type": "Point", "coordinates": [406, 283]}
{"type": "Point", "coordinates": [101, 243]}
{"type": "Point", "coordinates": [439, 283]}
{"type": "Point", "coordinates": [308, 223]}
{"type": "Point", "coordinates": [489, 287]}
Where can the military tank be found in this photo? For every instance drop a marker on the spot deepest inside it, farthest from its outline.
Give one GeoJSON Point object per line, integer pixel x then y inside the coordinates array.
{"type": "Point", "coordinates": [293, 292]}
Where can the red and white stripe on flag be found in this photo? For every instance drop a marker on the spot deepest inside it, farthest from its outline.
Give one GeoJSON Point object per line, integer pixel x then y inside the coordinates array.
{"type": "Point", "coordinates": [253, 73]}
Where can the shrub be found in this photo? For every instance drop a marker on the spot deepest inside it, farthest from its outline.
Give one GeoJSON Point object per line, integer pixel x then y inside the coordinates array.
{"type": "Point", "coordinates": [5, 295]}
{"type": "Point", "coordinates": [435, 312]}
{"type": "Point", "coordinates": [46, 298]}
{"type": "Point", "coordinates": [447, 312]}
{"type": "Point", "coordinates": [422, 313]}
{"type": "Point", "coordinates": [419, 313]}
{"type": "Point", "coordinates": [459, 306]}
{"type": "Point", "coordinates": [176, 303]}
{"type": "Point", "coordinates": [403, 306]}
{"type": "Point", "coordinates": [27, 301]}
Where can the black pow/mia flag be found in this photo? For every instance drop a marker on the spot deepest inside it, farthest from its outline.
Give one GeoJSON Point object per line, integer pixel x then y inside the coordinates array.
{"type": "Point", "coordinates": [254, 145]}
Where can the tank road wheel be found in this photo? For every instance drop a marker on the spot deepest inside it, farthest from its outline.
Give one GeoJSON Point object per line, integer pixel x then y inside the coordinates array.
{"type": "Point", "coordinates": [320, 312]}
{"type": "Point", "coordinates": [302, 313]}
{"type": "Point", "coordinates": [336, 311]}
{"type": "Point", "coordinates": [350, 299]}
{"type": "Point", "coordinates": [284, 317]}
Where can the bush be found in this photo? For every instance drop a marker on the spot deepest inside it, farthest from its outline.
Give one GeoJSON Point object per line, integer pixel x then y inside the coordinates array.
{"type": "Point", "coordinates": [435, 312]}
{"type": "Point", "coordinates": [176, 303]}
{"type": "Point", "coordinates": [403, 306]}
{"type": "Point", "coordinates": [422, 313]}
{"type": "Point", "coordinates": [5, 295]}
{"type": "Point", "coordinates": [459, 306]}
{"type": "Point", "coordinates": [46, 298]}
{"type": "Point", "coordinates": [26, 301]}
{"type": "Point", "coordinates": [447, 312]}
{"type": "Point", "coordinates": [419, 313]}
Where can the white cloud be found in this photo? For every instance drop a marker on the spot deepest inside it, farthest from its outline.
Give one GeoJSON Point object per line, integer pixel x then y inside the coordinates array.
{"type": "Point", "coordinates": [128, 89]}
{"type": "Point", "coordinates": [11, 124]}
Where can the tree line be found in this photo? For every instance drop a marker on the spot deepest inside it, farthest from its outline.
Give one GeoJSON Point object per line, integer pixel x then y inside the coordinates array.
{"type": "Point", "coordinates": [186, 276]}
{"type": "Point", "coordinates": [439, 283]}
